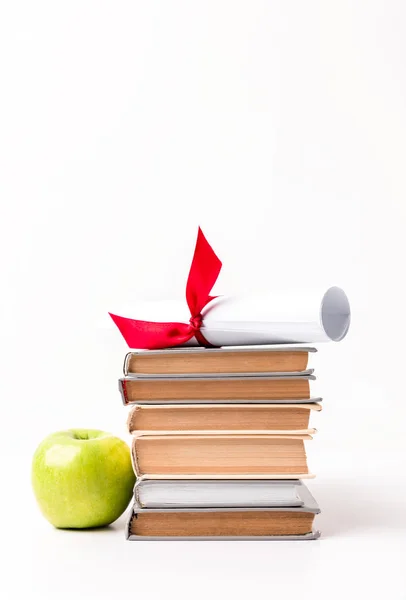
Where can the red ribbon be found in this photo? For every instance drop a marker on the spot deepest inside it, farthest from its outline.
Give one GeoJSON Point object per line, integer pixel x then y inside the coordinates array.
{"type": "Point", "coordinates": [204, 270]}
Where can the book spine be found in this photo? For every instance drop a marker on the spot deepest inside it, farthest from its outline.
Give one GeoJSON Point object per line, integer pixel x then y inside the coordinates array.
{"type": "Point", "coordinates": [122, 386]}
{"type": "Point", "coordinates": [126, 363]}
{"type": "Point", "coordinates": [134, 458]}
{"type": "Point", "coordinates": [132, 416]}
{"type": "Point", "coordinates": [137, 497]}
{"type": "Point", "coordinates": [132, 515]}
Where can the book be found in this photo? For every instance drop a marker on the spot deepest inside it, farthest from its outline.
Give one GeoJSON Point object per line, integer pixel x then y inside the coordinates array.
{"type": "Point", "coordinates": [166, 493]}
{"type": "Point", "coordinates": [220, 456]}
{"type": "Point", "coordinates": [225, 523]}
{"type": "Point", "coordinates": [220, 418]}
{"type": "Point", "coordinates": [212, 361]}
{"type": "Point", "coordinates": [141, 389]}
{"type": "Point", "coordinates": [220, 523]}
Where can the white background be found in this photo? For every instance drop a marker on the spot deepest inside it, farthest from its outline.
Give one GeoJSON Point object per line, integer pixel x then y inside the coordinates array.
{"type": "Point", "coordinates": [280, 128]}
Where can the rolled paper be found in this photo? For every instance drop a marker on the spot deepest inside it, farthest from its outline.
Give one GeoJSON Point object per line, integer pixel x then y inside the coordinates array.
{"type": "Point", "coordinates": [274, 318]}
{"type": "Point", "coordinates": [277, 317]}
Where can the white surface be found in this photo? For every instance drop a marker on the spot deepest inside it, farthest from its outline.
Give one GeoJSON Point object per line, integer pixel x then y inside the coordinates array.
{"type": "Point", "coordinates": [280, 128]}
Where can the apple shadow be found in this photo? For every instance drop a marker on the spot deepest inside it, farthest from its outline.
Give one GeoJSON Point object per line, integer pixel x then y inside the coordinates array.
{"type": "Point", "coordinates": [102, 528]}
{"type": "Point", "coordinates": [115, 528]}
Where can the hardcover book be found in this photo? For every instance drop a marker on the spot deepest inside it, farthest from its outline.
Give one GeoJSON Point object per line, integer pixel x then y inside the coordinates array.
{"type": "Point", "coordinates": [205, 493]}
{"type": "Point", "coordinates": [220, 418]}
{"type": "Point", "coordinates": [171, 389]}
{"type": "Point", "coordinates": [220, 456]}
{"type": "Point", "coordinates": [215, 361]}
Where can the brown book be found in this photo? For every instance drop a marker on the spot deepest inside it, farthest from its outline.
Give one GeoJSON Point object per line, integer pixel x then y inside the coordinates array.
{"type": "Point", "coordinates": [222, 456]}
{"type": "Point", "coordinates": [224, 523]}
{"type": "Point", "coordinates": [144, 389]}
{"type": "Point", "coordinates": [215, 418]}
{"type": "Point", "coordinates": [217, 361]}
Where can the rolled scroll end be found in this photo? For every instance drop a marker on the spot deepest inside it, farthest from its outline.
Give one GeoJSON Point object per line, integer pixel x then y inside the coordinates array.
{"type": "Point", "coordinates": [335, 314]}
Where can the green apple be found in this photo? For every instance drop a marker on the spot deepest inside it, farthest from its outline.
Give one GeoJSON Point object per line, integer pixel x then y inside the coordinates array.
{"type": "Point", "coordinates": [82, 478]}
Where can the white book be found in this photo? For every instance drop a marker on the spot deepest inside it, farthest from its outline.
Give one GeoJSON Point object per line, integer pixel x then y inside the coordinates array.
{"type": "Point", "coordinates": [217, 493]}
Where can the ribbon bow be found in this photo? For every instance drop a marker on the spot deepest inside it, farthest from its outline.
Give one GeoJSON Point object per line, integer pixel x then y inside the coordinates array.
{"type": "Point", "coordinates": [204, 270]}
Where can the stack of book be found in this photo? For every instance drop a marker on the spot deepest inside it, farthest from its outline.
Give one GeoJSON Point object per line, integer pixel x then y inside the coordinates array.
{"type": "Point", "coordinates": [219, 442]}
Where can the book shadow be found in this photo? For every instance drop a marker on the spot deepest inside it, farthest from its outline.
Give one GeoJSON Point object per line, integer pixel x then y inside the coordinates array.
{"type": "Point", "coordinates": [353, 506]}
